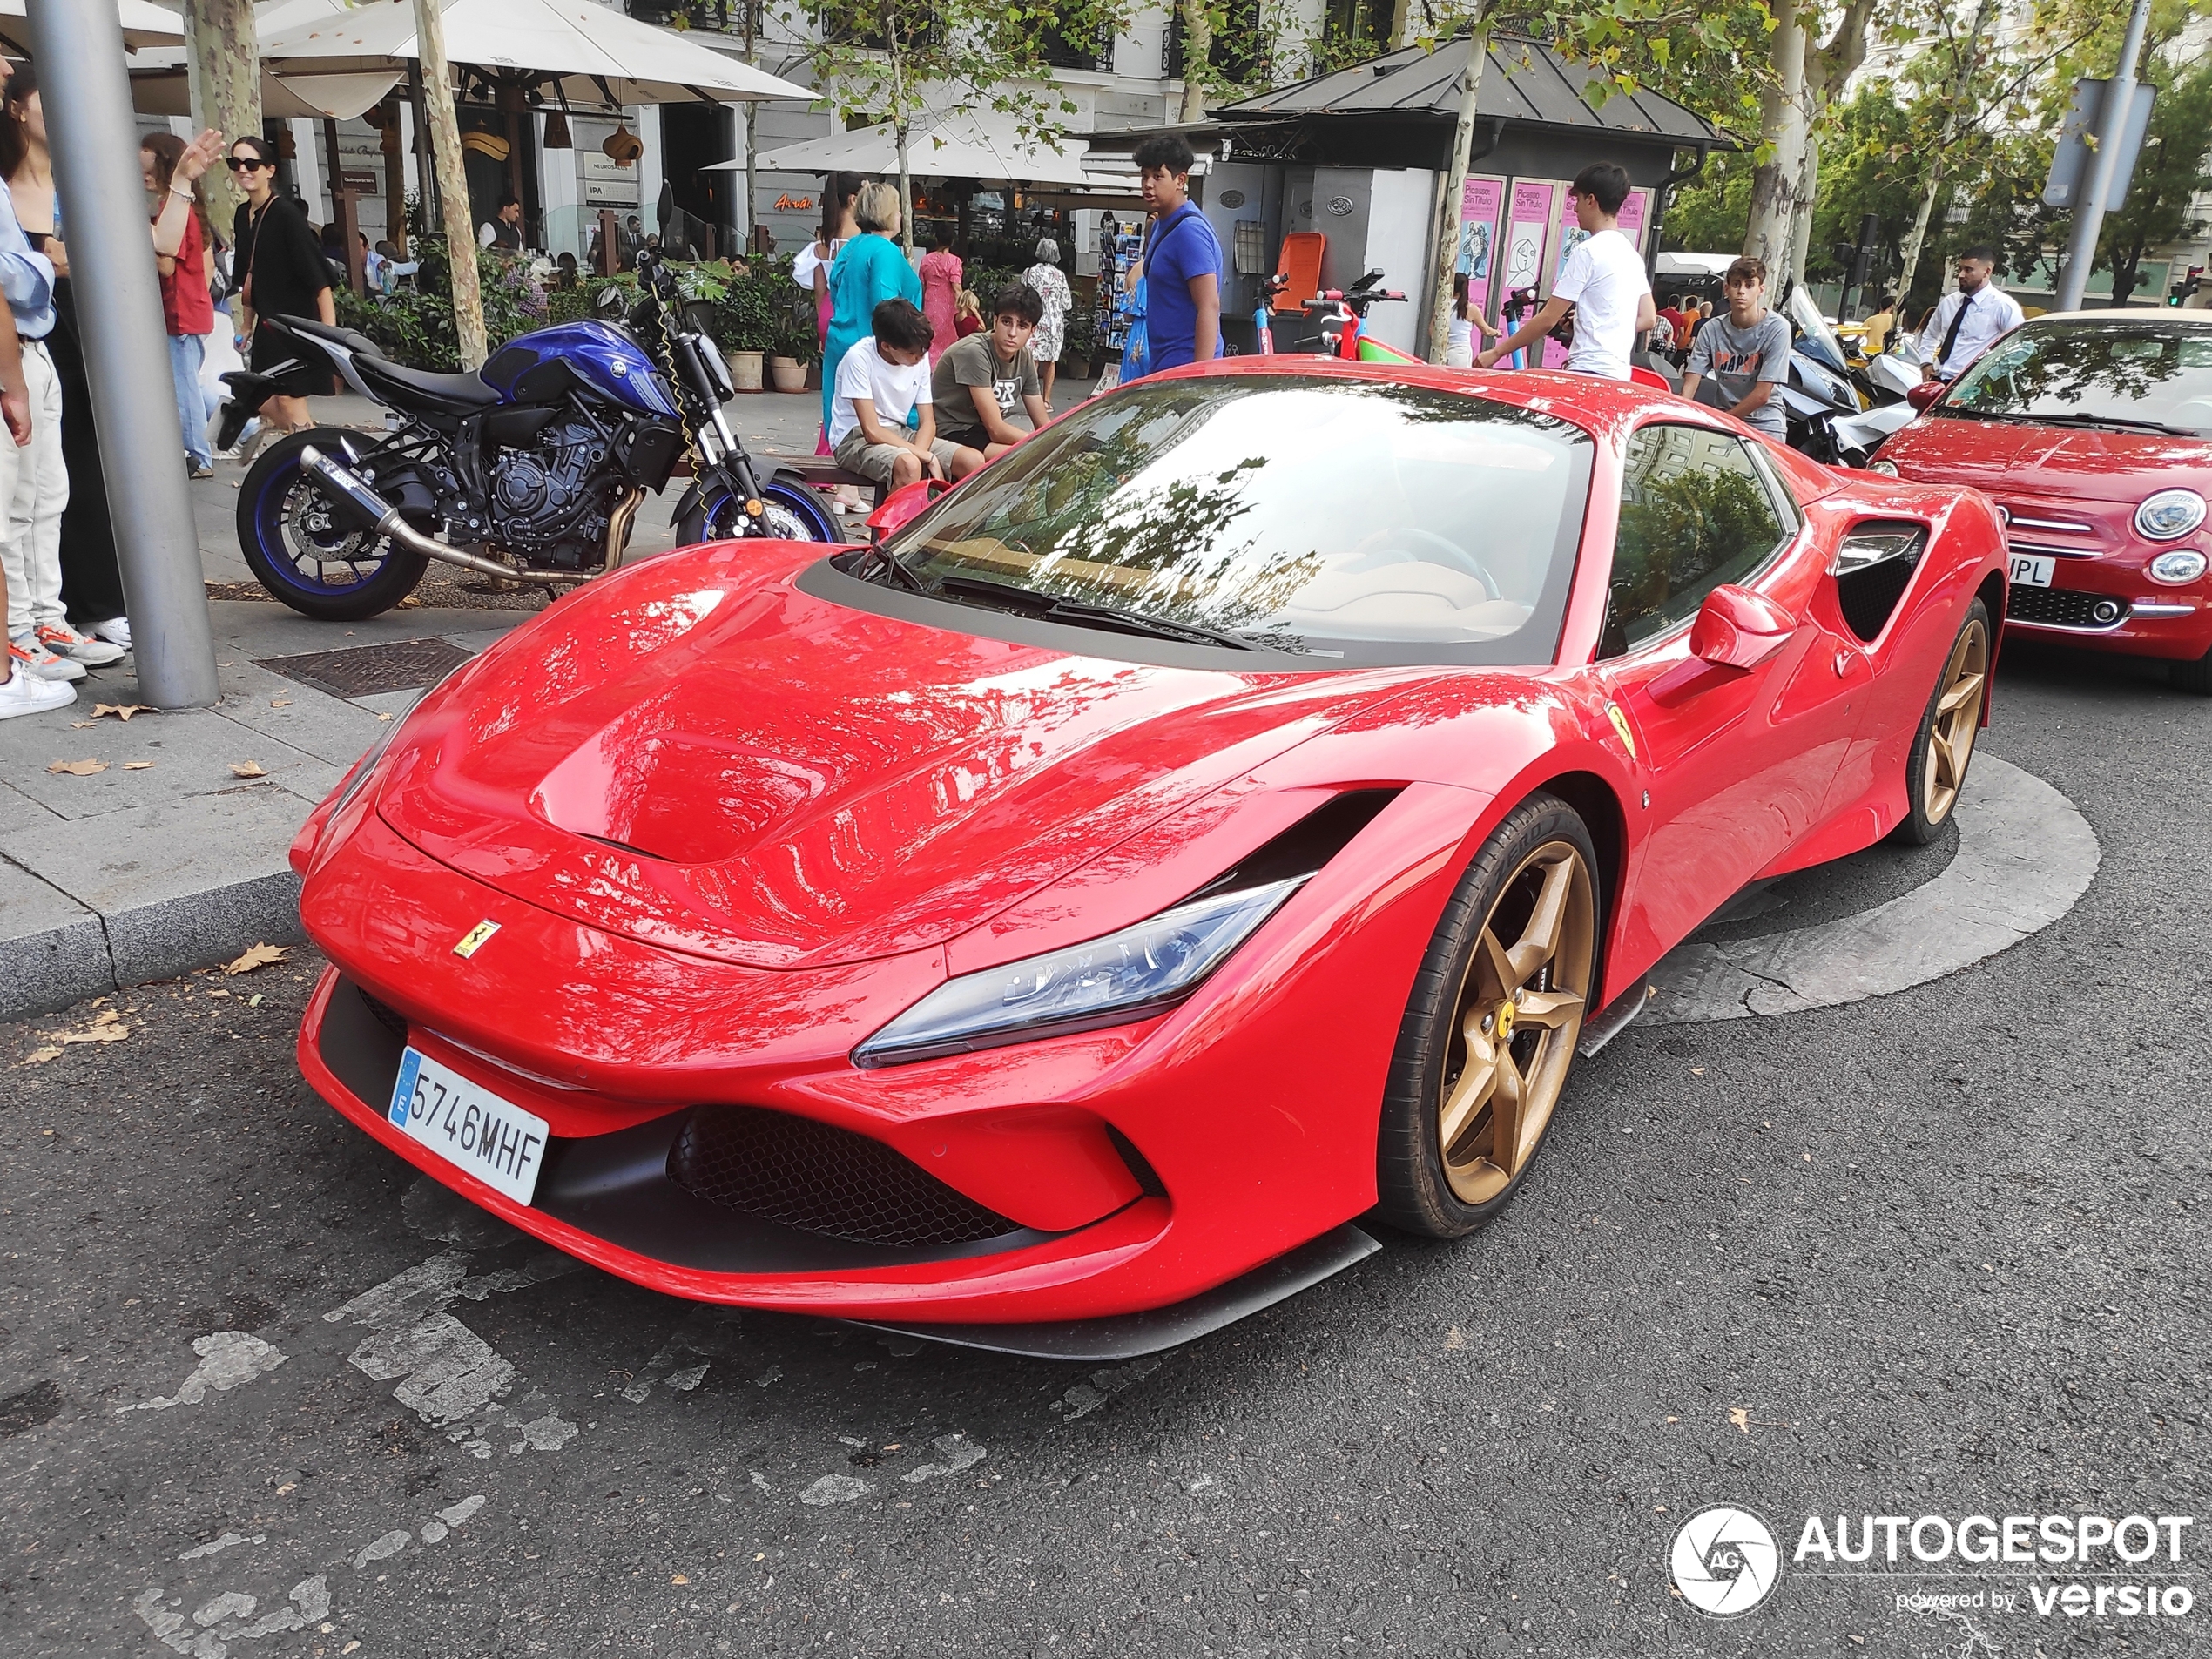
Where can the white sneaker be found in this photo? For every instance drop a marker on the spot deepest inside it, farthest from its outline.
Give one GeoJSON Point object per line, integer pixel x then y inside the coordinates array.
{"type": "Point", "coordinates": [24, 693]}
{"type": "Point", "coordinates": [116, 631]}
{"type": "Point", "coordinates": [29, 657]}
{"type": "Point", "coordinates": [64, 641]}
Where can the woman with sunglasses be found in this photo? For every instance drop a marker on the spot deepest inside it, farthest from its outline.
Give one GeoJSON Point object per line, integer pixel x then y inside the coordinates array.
{"type": "Point", "coordinates": [280, 271]}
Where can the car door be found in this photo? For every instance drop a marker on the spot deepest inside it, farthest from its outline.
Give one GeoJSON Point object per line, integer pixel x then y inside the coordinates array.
{"type": "Point", "coordinates": [1737, 761]}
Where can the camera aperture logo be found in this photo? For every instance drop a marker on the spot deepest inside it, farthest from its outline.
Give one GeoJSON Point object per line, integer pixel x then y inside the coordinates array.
{"type": "Point", "coordinates": [1725, 1560]}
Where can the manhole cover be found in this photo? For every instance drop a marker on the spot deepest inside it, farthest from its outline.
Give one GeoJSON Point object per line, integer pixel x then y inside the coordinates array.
{"type": "Point", "coordinates": [366, 669]}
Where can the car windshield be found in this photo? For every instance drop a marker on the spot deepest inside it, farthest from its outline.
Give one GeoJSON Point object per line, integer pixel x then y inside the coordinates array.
{"type": "Point", "coordinates": [1339, 516]}
{"type": "Point", "coordinates": [2131, 373]}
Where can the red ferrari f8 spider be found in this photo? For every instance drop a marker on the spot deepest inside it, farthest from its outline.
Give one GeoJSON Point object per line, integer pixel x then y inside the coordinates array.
{"type": "Point", "coordinates": [1223, 817]}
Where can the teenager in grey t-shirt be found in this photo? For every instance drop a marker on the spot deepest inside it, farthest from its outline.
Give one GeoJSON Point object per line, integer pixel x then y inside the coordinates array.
{"type": "Point", "coordinates": [1746, 351]}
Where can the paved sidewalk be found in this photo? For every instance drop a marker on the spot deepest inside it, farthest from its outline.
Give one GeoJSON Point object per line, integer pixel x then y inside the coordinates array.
{"type": "Point", "coordinates": [172, 855]}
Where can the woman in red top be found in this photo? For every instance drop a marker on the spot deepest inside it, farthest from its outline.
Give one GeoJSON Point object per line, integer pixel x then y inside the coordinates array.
{"type": "Point", "coordinates": [171, 169]}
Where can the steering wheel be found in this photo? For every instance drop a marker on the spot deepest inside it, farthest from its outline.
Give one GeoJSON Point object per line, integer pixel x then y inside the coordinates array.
{"type": "Point", "coordinates": [1453, 557]}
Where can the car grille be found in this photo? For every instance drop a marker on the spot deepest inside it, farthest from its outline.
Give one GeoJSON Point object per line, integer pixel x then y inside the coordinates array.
{"type": "Point", "coordinates": [2061, 607]}
{"type": "Point", "coordinates": [799, 1173]}
{"type": "Point", "coordinates": [387, 1016]}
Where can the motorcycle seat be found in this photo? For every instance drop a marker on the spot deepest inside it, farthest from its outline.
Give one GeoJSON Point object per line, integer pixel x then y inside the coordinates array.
{"type": "Point", "coordinates": [425, 390]}
{"type": "Point", "coordinates": [309, 329]}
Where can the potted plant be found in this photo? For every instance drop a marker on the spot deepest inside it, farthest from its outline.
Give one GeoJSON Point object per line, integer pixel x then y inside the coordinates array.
{"type": "Point", "coordinates": [1078, 342]}
{"type": "Point", "coordinates": [746, 327]}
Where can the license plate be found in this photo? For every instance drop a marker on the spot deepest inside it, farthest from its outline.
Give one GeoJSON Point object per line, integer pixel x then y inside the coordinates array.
{"type": "Point", "coordinates": [469, 1127]}
{"type": "Point", "coordinates": [2033, 569]}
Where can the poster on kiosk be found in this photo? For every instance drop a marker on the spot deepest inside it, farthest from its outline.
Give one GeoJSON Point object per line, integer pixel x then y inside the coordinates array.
{"type": "Point", "coordinates": [1534, 204]}
{"type": "Point", "coordinates": [1569, 235]}
{"type": "Point", "coordinates": [1480, 207]}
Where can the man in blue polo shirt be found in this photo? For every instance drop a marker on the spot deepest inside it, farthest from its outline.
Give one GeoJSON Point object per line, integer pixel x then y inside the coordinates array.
{"type": "Point", "coordinates": [1183, 265]}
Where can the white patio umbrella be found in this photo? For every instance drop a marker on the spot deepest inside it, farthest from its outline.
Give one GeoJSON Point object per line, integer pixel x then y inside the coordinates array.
{"type": "Point", "coordinates": [594, 53]}
{"type": "Point", "coordinates": [160, 86]}
{"type": "Point", "coordinates": [961, 144]}
{"type": "Point", "coordinates": [144, 24]}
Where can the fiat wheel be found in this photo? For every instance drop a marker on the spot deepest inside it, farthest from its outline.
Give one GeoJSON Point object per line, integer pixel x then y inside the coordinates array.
{"type": "Point", "coordinates": [1489, 1035]}
{"type": "Point", "coordinates": [1945, 743]}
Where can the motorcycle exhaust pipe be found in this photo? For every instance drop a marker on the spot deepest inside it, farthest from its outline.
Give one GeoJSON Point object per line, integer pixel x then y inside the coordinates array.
{"type": "Point", "coordinates": [348, 492]}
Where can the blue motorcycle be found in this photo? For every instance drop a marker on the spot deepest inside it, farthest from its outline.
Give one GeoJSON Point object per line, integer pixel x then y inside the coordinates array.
{"type": "Point", "coordinates": [530, 470]}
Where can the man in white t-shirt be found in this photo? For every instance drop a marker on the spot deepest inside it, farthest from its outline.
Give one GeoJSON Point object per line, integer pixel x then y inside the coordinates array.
{"type": "Point", "coordinates": [881, 382]}
{"type": "Point", "coordinates": [1603, 282]}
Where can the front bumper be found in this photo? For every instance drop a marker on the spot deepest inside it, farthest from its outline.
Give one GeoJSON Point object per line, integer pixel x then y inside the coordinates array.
{"type": "Point", "coordinates": [1137, 1167]}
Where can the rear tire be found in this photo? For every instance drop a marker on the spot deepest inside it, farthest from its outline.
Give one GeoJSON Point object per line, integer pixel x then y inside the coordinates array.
{"type": "Point", "coordinates": [1490, 1032]}
{"type": "Point", "coordinates": [2193, 676]}
{"type": "Point", "coordinates": [302, 552]}
{"type": "Point", "coordinates": [1944, 746]}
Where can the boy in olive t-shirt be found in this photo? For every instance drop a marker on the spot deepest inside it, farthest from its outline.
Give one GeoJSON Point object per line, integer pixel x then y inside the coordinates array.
{"type": "Point", "coordinates": [983, 379]}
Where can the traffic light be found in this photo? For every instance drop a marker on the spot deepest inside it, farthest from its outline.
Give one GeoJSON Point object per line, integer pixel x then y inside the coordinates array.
{"type": "Point", "coordinates": [2185, 290]}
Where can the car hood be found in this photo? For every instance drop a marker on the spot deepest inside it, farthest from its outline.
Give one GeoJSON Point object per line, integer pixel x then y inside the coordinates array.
{"type": "Point", "coordinates": [2083, 464]}
{"type": "Point", "coordinates": [737, 769]}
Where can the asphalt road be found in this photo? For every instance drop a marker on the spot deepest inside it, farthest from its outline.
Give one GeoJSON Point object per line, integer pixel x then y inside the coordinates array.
{"type": "Point", "coordinates": [1939, 1252]}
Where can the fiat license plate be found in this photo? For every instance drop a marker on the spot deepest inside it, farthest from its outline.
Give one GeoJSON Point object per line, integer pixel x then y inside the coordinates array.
{"type": "Point", "coordinates": [2033, 569]}
{"type": "Point", "coordinates": [469, 1127]}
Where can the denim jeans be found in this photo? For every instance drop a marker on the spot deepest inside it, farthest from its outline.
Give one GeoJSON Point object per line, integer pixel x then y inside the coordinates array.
{"type": "Point", "coordinates": [185, 352]}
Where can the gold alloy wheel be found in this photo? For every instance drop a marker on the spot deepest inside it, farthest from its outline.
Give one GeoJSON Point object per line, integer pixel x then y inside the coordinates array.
{"type": "Point", "coordinates": [1957, 722]}
{"type": "Point", "coordinates": [1520, 1011]}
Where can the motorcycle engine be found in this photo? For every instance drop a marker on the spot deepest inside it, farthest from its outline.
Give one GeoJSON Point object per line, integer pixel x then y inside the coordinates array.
{"type": "Point", "coordinates": [550, 501]}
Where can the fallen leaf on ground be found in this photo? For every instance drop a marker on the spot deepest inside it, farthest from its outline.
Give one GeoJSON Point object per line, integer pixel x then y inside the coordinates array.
{"type": "Point", "coordinates": [79, 725]}
{"type": "Point", "coordinates": [107, 1027]}
{"type": "Point", "coordinates": [137, 765]}
{"type": "Point", "coordinates": [280, 702]}
{"type": "Point", "coordinates": [247, 769]}
{"type": "Point", "coordinates": [78, 768]}
{"type": "Point", "coordinates": [121, 711]}
{"type": "Point", "coordinates": [1741, 1416]}
{"type": "Point", "coordinates": [40, 1056]}
{"type": "Point", "coordinates": [254, 1000]}
{"type": "Point", "coordinates": [383, 717]}
{"type": "Point", "coordinates": [259, 956]}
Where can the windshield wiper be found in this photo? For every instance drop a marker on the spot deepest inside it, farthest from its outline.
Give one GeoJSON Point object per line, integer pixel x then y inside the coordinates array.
{"type": "Point", "coordinates": [1050, 609]}
{"type": "Point", "coordinates": [880, 558]}
{"type": "Point", "coordinates": [2112, 420]}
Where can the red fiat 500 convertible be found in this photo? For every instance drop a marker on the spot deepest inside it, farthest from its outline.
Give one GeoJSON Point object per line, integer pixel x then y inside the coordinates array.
{"type": "Point", "coordinates": [1222, 816]}
{"type": "Point", "coordinates": [2093, 431]}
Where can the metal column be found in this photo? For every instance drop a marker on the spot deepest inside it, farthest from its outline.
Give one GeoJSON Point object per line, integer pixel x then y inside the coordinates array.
{"type": "Point", "coordinates": [95, 141]}
{"type": "Point", "coordinates": [2112, 126]}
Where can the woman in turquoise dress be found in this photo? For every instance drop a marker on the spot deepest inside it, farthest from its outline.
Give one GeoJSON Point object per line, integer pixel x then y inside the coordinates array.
{"type": "Point", "coordinates": [869, 269]}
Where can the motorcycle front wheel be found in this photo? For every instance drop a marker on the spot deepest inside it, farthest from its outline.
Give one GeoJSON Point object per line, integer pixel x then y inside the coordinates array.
{"type": "Point", "coordinates": [794, 513]}
{"type": "Point", "coordinates": [303, 552]}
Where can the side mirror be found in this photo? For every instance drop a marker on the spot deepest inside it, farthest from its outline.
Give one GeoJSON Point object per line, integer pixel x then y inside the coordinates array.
{"type": "Point", "coordinates": [1737, 628]}
{"type": "Point", "coordinates": [1925, 394]}
{"type": "Point", "coordinates": [901, 506]}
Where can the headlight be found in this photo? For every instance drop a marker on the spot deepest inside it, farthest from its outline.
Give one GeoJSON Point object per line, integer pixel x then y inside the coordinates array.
{"type": "Point", "coordinates": [1127, 976]}
{"type": "Point", "coordinates": [2169, 514]}
{"type": "Point", "coordinates": [1887, 468]}
{"type": "Point", "coordinates": [365, 765]}
{"type": "Point", "coordinates": [2184, 564]}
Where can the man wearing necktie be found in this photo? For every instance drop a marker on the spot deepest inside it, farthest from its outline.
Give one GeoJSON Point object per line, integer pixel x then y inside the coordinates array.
{"type": "Point", "coordinates": [1965, 321]}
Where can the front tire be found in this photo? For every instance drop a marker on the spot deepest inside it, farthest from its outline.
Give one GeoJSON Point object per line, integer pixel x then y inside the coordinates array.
{"type": "Point", "coordinates": [793, 514]}
{"type": "Point", "coordinates": [1944, 744]}
{"type": "Point", "coordinates": [1489, 1033]}
{"type": "Point", "coordinates": [2194, 676]}
{"type": "Point", "coordinates": [301, 551]}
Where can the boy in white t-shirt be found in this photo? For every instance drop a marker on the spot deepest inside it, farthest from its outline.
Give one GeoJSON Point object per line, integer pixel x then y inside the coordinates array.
{"type": "Point", "coordinates": [881, 381]}
{"type": "Point", "coordinates": [1603, 282]}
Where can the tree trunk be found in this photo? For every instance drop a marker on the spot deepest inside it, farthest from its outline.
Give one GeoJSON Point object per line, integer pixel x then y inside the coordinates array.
{"type": "Point", "coordinates": [1445, 248]}
{"type": "Point", "coordinates": [746, 133]}
{"type": "Point", "coordinates": [1801, 221]}
{"type": "Point", "coordinates": [1198, 52]}
{"type": "Point", "coordinates": [1969, 54]}
{"type": "Point", "coordinates": [1783, 124]}
{"type": "Point", "coordinates": [223, 71]}
{"type": "Point", "coordinates": [452, 181]}
{"type": "Point", "coordinates": [1407, 17]}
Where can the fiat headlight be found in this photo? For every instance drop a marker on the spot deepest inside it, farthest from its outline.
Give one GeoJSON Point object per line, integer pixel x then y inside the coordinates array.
{"type": "Point", "coordinates": [2183, 564]}
{"type": "Point", "coordinates": [1887, 468]}
{"type": "Point", "coordinates": [1127, 976]}
{"type": "Point", "coordinates": [2169, 514]}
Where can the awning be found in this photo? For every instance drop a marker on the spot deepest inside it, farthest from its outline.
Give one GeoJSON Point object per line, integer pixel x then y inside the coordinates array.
{"type": "Point", "coordinates": [593, 53]}
{"type": "Point", "coordinates": [167, 92]}
{"type": "Point", "coordinates": [958, 143]}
